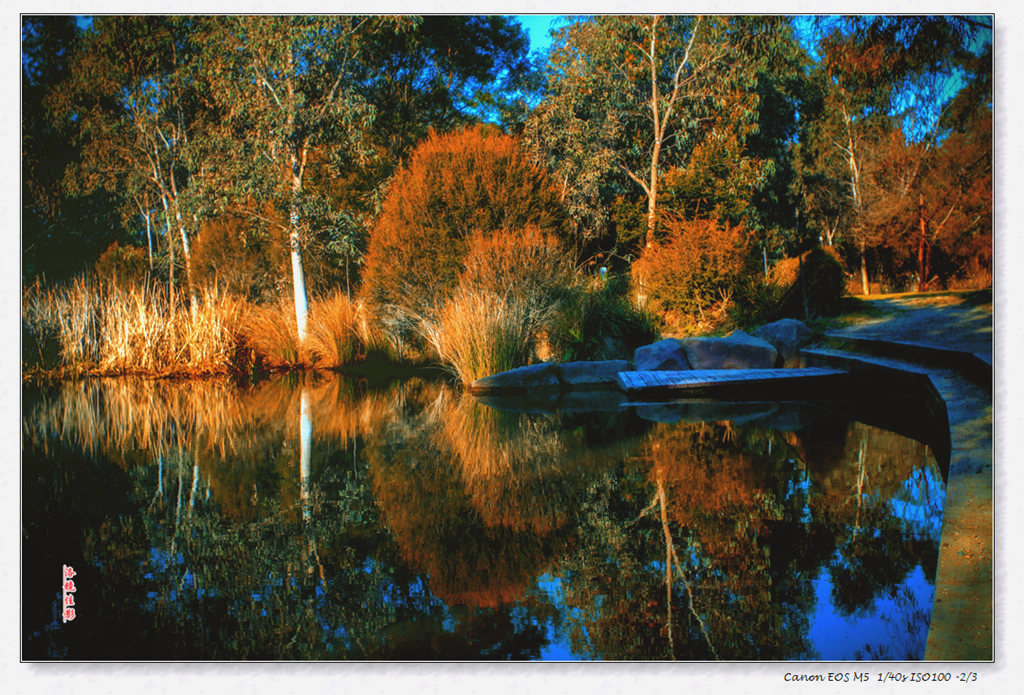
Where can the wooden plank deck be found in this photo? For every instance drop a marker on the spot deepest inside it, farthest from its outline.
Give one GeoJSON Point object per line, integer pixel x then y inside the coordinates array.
{"type": "Point", "coordinates": [711, 380]}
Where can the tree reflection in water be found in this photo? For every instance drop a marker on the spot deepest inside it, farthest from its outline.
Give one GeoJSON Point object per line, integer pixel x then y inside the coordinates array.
{"type": "Point", "coordinates": [314, 517]}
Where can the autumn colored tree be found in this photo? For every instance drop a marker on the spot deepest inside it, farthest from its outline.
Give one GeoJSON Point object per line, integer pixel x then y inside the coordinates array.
{"type": "Point", "coordinates": [456, 186]}
{"type": "Point", "coordinates": [692, 274]}
{"type": "Point", "coordinates": [879, 76]}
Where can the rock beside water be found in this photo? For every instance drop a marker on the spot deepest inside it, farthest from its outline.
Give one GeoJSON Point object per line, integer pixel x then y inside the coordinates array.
{"type": "Point", "coordinates": [552, 376]}
{"type": "Point", "coordinates": [774, 344]}
{"type": "Point", "coordinates": [663, 356]}
{"type": "Point", "coordinates": [788, 336]}
{"type": "Point", "coordinates": [603, 373]}
{"type": "Point", "coordinates": [738, 350]}
{"type": "Point", "coordinates": [545, 375]}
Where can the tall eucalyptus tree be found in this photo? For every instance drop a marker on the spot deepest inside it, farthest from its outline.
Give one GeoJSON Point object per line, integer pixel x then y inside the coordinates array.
{"type": "Point", "coordinates": [285, 86]}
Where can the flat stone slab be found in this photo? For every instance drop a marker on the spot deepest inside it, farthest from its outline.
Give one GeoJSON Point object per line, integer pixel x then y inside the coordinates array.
{"type": "Point", "coordinates": [711, 379]}
{"type": "Point", "coordinates": [545, 375]}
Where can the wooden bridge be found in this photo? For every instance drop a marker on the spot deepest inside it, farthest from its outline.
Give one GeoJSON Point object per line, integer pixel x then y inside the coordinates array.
{"type": "Point", "coordinates": [776, 383]}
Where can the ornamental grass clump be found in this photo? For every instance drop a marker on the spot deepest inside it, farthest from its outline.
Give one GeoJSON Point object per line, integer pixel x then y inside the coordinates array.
{"type": "Point", "coordinates": [478, 332]}
{"type": "Point", "coordinates": [512, 285]}
{"type": "Point", "coordinates": [341, 331]}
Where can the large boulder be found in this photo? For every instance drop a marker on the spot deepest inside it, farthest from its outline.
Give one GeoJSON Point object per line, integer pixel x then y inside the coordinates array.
{"type": "Point", "coordinates": [788, 336]}
{"type": "Point", "coordinates": [738, 350]}
{"type": "Point", "coordinates": [664, 355]}
{"type": "Point", "coordinates": [592, 374]}
{"type": "Point", "coordinates": [545, 375]}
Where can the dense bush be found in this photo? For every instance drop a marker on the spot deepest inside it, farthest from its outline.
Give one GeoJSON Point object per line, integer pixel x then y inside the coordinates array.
{"type": "Point", "coordinates": [122, 265]}
{"type": "Point", "coordinates": [808, 285]}
{"type": "Point", "coordinates": [601, 322]}
{"type": "Point", "coordinates": [690, 277]}
{"type": "Point", "coordinates": [455, 187]}
{"type": "Point", "coordinates": [528, 263]}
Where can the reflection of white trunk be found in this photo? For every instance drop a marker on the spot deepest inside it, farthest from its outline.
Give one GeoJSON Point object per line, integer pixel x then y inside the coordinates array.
{"type": "Point", "coordinates": [861, 476]}
{"type": "Point", "coordinates": [177, 507]}
{"type": "Point", "coordinates": [160, 476]}
{"type": "Point", "coordinates": [195, 486]}
{"type": "Point", "coordinates": [305, 445]}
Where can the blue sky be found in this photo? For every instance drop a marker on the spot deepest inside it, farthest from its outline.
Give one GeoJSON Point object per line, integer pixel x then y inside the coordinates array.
{"type": "Point", "coordinates": [537, 28]}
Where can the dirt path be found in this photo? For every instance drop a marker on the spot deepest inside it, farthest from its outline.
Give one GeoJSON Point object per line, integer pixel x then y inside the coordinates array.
{"type": "Point", "coordinates": [949, 320]}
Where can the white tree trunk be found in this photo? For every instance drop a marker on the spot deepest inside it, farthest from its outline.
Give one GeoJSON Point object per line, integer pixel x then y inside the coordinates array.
{"type": "Point", "coordinates": [299, 286]}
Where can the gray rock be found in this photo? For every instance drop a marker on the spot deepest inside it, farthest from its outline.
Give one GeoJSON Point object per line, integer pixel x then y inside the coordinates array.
{"type": "Point", "coordinates": [545, 375]}
{"type": "Point", "coordinates": [788, 336]}
{"type": "Point", "coordinates": [592, 374]}
{"type": "Point", "coordinates": [664, 355]}
{"type": "Point", "coordinates": [739, 350]}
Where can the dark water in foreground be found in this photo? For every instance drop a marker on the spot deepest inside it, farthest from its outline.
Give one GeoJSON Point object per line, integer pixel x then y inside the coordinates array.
{"type": "Point", "coordinates": [322, 519]}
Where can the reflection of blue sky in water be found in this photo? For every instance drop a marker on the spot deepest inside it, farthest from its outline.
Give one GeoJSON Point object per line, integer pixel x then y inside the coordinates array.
{"type": "Point", "coordinates": [840, 638]}
{"type": "Point", "coordinates": [557, 648]}
{"type": "Point", "coordinates": [903, 615]}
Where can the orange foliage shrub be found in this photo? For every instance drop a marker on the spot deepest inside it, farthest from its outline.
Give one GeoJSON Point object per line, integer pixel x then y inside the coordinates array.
{"type": "Point", "coordinates": [528, 263]}
{"type": "Point", "coordinates": [228, 253]}
{"type": "Point", "coordinates": [123, 265]}
{"type": "Point", "coordinates": [476, 181]}
{"type": "Point", "coordinates": [696, 267]}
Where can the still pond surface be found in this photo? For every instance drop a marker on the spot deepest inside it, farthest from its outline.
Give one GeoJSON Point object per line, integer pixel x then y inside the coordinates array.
{"type": "Point", "coordinates": [321, 518]}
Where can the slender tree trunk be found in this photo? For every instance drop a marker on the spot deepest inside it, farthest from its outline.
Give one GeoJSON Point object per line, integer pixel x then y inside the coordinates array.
{"type": "Point", "coordinates": [298, 277]}
{"type": "Point", "coordinates": [170, 242]}
{"type": "Point", "coordinates": [186, 251]}
{"type": "Point", "coordinates": [922, 266]}
{"type": "Point", "coordinates": [851, 153]}
{"type": "Point", "coordinates": [149, 238]}
{"type": "Point", "coordinates": [297, 153]}
{"type": "Point", "coordinates": [864, 267]}
{"type": "Point", "coordinates": [652, 186]}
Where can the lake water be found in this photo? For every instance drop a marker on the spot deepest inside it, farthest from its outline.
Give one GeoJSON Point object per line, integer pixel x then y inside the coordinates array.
{"type": "Point", "coordinates": [319, 517]}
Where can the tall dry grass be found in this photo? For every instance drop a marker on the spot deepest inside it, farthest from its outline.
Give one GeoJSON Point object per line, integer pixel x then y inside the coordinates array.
{"type": "Point", "coordinates": [271, 333]}
{"type": "Point", "coordinates": [513, 283]}
{"type": "Point", "coordinates": [111, 329]}
{"type": "Point", "coordinates": [342, 331]}
{"type": "Point", "coordinates": [339, 331]}
{"type": "Point", "coordinates": [477, 333]}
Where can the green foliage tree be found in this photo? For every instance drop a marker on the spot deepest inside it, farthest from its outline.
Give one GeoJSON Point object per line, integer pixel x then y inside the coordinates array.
{"type": "Point", "coordinates": [696, 112]}
{"type": "Point", "coordinates": [61, 233]}
{"type": "Point", "coordinates": [283, 87]}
